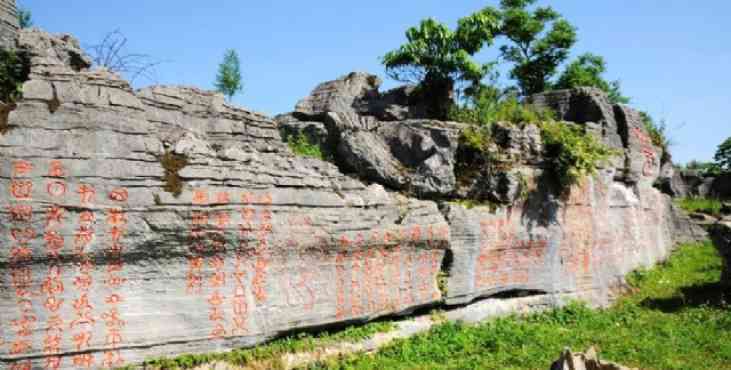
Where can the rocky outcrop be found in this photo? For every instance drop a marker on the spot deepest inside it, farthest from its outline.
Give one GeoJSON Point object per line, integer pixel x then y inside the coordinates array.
{"type": "Point", "coordinates": [721, 235]}
{"type": "Point", "coordinates": [8, 23]}
{"type": "Point", "coordinates": [148, 223]}
{"type": "Point", "coordinates": [165, 221]}
{"type": "Point", "coordinates": [618, 126]}
{"type": "Point", "coordinates": [584, 361]}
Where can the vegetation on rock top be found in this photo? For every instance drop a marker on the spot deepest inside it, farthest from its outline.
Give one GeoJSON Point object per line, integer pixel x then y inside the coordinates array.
{"type": "Point", "coordinates": [302, 145]}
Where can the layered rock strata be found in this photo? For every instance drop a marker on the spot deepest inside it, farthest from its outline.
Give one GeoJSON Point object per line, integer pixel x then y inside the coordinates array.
{"type": "Point", "coordinates": [139, 224]}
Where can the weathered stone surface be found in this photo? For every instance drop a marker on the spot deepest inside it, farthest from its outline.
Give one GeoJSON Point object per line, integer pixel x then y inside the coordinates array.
{"type": "Point", "coordinates": [585, 244]}
{"type": "Point", "coordinates": [358, 93]}
{"type": "Point", "coordinates": [721, 235]}
{"type": "Point", "coordinates": [8, 23]}
{"type": "Point", "coordinates": [583, 105]}
{"type": "Point", "coordinates": [584, 361]}
{"type": "Point", "coordinates": [139, 224]}
{"type": "Point", "coordinates": [686, 229]}
{"type": "Point", "coordinates": [342, 95]}
{"type": "Point", "coordinates": [101, 266]}
{"type": "Point", "coordinates": [290, 128]}
{"type": "Point", "coordinates": [414, 155]}
{"type": "Point", "coordinates": [618, 126]}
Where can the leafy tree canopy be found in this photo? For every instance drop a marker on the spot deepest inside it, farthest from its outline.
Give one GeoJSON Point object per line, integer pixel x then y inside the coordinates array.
{"type": "Point", "coordinates": [540, 41]}
{"type": "Point", "coordinates": [25, 19]}
{"type": "Point", "coordinates": [587, 70]}
{"type": "Point", "coordinates": [723, 155]}
{"type": "Point", "coordinates": [228, 79]}
{"type": "Point", "coordinates": [437, 57]}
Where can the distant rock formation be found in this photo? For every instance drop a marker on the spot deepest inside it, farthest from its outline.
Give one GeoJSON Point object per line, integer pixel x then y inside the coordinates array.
{"type": "Point", "coordinates": [138, 224]}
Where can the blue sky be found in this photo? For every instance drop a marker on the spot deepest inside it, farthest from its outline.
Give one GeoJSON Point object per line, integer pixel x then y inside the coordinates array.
{"type": "Point", "coordinates": [672, 56]}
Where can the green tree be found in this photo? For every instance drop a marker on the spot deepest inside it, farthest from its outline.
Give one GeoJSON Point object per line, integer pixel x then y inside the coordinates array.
{"type": "Point", "coordinates": [723, 156]}
{"type": "Point", "coordinates": [24, 18]}
{"type": "Point", "coordinates": [228, 79]}
{"type": "Point", "coordinates": [436, 57]}
{"type": "Point", "coordinates": [587, 70]}
{"type": "Point", "coordinates": [535, 51]}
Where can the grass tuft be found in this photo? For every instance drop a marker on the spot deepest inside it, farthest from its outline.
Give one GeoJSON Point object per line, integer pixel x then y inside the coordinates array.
{"type": "Point", "coordinates": [700, 205]}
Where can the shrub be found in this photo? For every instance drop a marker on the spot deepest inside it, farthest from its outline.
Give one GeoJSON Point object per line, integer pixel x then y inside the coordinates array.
{"type": "Point", "coordinates": [301, 145]}
{"type": "Point", "coordinates": [489, 107]}
{"type": "Point", "coordinates": [573, 152]}
{"type": "Point", "coordinates": [14, 70]}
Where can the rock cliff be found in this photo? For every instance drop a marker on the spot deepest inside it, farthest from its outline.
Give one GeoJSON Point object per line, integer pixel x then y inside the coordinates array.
{"type": "Point", "coordinates": [8, 23]}
{"type": "Point", "coordinates": [139, 224]}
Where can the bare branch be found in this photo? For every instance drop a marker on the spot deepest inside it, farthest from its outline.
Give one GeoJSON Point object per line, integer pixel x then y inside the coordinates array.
{"type": "Point", "coordinates": [112, 54]}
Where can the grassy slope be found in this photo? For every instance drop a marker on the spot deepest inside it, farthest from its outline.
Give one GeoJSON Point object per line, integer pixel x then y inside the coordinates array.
{"type": "Point", "coordinates": [677, 319]}
{"type": "Point", "coordinates": [702, 205]}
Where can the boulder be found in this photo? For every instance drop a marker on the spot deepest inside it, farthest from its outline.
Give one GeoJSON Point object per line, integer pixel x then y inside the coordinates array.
{"type": "Point", "coordinates": [417, 156]}
{"type": "Point", "coordinates": [721, 236]}
{"type": "Point", "coordinates": [346, 94]}
{"type": "Point", "coordinates": [721, 186]}
{"type": "Point", "coordinates": [584, 361]}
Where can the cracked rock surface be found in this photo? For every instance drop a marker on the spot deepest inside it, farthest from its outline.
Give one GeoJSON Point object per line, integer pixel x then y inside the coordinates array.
{"type": "Point", "coordinates": [163, 221]}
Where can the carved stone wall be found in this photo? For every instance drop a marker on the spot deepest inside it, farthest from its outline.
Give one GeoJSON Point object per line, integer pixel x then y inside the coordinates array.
{"type": "Point", "coordinates": [139, 224]}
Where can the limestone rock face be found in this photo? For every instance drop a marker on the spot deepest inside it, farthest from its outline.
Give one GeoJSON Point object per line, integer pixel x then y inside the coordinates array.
{"type": "Point", "coordinates": [721, 235]}
{"type": "Point", "coordinates": [8, 23]}
{"type": "Point", "coordinates": [618, 126]}
{"type": "Point", "coordinates": [586, 243]}
{"type": "Point", "coordinates": [163, 221]}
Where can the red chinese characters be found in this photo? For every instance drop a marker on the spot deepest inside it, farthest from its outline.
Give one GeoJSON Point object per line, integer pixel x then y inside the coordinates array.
{"type": "Point", "coordinates": [117, 221]}
{"type": "Point", "coordinates": [82, 325]}
{"type": "Point", "coordinates": [21, 236]}
{"type": "Point", "coordinates": [504, 259]}
{"type": "Point", "coordinates": [217, 280]}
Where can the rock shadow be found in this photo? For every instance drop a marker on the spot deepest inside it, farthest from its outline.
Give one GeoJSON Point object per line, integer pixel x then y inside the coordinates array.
{"type": "Point", "coordinates": [711, 295]}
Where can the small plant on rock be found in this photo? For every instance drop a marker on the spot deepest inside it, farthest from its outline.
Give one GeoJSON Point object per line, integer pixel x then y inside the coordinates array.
{"type": "Point", "coordinates": [301, 145]}
{"type": "Point", "coordinates": [573, 152]}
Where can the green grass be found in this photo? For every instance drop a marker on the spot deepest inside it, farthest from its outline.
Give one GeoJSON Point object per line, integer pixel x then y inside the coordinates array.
{"type": "Point", "coordinates": [268, 356]}
{"type": "Point", "coordinates": [675, 319]}
{"type": "Point", "coordinates": [302, 146]}
{"type": "Point", "coordinates": [702, 205]}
